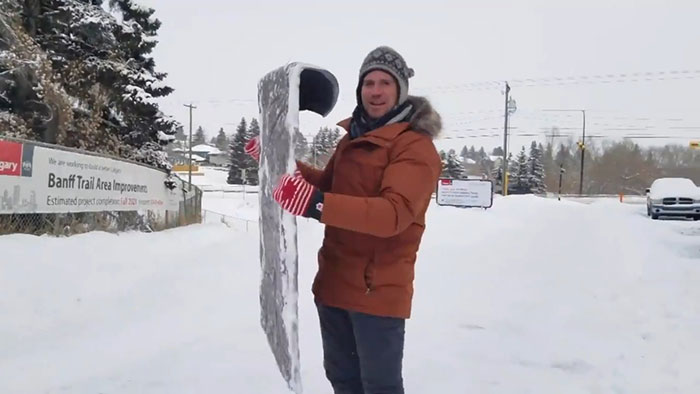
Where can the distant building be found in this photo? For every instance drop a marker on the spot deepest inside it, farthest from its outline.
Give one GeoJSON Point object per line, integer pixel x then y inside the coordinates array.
{"type": "Point", "coordinates": [219, 159]}
{"type": "Point", "coordinates": [205, 150]}
{"type": "Point", "coordinates": [201, 154]}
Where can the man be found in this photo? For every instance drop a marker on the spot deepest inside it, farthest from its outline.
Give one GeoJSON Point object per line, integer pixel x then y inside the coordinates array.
{"type": "Point", "coordinates": [372, 196]}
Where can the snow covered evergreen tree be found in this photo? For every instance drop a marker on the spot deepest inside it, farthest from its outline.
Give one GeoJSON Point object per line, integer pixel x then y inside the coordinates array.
{"type": "Point", "coordinates": [521, 179]}
{"type": "Point", "coordinates": [472, 153]}
{"type": "Point", "coordinates": [481, 154]}
{"type": "Point", "coordinates": [39, 102]}
{"type": "Point", "coordinates": [180, 136]}
{"type": "Point", "coordinates": [537, 173]}
{"type": "Point", "coordinates": [452, 167]}
{"type": "Point", "coordinates": [464, 153]}
{"type": "Point", "coordinates": [72, 74]}
{"type": "Point", "coordinates": [221, 141]}
{"type": "Point", "coordinates": [251, 165]}
{"type": "Point", "coordinates": [301, 146]}
{"type": "Point", "coordinates": [238, 156]}
{"type": "Point", "coordinates": [139, 83]}
{"type": "Point", "coordinates": [332, 138]}
{"type": "Point", "coordinates": [323, 146]}
{"type": "Point", "coordinates": [199, 137]}
{"type": "Point", "coordinates": [318, 147]}
{"type": "Point", "coordinates": [512, 169]}
{"type": "Point", "coordinates": [443, 160]}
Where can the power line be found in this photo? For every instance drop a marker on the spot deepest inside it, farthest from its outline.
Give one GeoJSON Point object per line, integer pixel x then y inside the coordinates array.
{"type": "Point", "coordinates": [548, 130]}
{"type": "Point", "coordinates": [648, 76]}
{"type": "Point", "coordinates": [470, 121]}
{"type": "Point", "coordinates": [610, 126]}
{"type": "Point", "coordinates": [539, 113]}
{"type": "Point", "coordinates": [620, 78]}
{"type": "Point", "coordinates": [471, 136]}
{"type": "Point", "coordinates": [565, 135]}
{"type": "Point", "coordinates": [616, 126]}
{"type": "Point", "coordinates": [215, 102]}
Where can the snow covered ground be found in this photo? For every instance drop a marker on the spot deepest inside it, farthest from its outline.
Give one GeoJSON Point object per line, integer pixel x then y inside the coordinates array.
{"type": "Point", "coordinates": [531, 296]}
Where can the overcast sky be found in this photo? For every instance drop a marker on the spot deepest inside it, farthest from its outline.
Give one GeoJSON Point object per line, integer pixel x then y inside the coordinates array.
{"type": "Point", "coordinates": [215, 52]}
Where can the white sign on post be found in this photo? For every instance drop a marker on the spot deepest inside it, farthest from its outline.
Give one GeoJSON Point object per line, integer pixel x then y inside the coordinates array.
{"type": "Point", "coordinates": [465, 193]}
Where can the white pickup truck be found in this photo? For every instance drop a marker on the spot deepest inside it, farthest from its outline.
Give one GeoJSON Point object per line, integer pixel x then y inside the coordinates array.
{"type": "Point", "coordinates": [677, 197]}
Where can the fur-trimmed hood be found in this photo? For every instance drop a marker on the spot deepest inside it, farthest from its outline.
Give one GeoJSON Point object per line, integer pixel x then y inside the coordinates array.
{"type": "Point", "coordinates": [424, 119]}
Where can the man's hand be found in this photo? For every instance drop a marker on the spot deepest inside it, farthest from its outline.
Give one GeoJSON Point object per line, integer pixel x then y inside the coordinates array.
{"type": "Point", "coordinates": [298, 196]}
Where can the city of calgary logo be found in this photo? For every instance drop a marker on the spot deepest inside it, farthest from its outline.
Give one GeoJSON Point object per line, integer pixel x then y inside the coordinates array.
{"type": "Point", "coordinates": [9, 167]}
{"type": "Point", "coordinates": [16, 159]}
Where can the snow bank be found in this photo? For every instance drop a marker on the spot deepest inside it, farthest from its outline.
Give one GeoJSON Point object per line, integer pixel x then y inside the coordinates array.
{"type": "Point", "coordinates": [531, 296]}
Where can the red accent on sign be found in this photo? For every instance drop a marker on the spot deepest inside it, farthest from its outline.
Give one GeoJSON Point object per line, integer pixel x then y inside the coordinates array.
{"type": "Point", "coordinates": [446, 181]}
{"type": "Point", "coordinates": [10, 158]}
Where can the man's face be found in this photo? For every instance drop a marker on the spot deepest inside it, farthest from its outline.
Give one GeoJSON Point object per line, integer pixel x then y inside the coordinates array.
{"type": "Point", "coordinates": [379, 93]}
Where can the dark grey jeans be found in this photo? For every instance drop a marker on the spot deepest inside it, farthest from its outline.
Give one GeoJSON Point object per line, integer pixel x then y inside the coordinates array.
{"type": "Point", "coordinates": [362, 354]}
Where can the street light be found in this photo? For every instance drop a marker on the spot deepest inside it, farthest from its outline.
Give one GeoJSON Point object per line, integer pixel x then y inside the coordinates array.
{"type": "Point", "coordinates": [581, 144]}
{"type": "Point", "coordinates": [512, 106]}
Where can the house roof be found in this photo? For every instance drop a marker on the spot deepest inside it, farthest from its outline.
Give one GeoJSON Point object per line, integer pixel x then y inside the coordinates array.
{"type": "Point", "coordinates": [495, 157]}
{"type": "Point", "coordinates": [204, 148]}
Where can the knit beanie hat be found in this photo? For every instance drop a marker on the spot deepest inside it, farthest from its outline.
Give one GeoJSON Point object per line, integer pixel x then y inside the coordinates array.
{"type": "Point", "coordinates": [387, 59]}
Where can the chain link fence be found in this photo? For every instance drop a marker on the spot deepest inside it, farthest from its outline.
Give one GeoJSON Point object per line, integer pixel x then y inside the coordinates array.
{"type": "Point", "coordinates": [238, 224]}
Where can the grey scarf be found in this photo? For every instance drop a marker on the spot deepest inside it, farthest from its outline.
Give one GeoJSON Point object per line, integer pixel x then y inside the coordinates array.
{"type": "Point", "coordinates": [361, 123]}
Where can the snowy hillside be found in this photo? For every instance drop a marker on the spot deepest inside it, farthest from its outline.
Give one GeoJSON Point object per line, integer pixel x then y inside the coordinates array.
{"type": "Point", "coordinates": [531, 296]}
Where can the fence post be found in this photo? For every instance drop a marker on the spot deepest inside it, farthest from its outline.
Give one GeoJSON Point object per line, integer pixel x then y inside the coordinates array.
{"type": "Point", "coordinates": [56, 224]}
{"type": "Point", "coordinates": [183, 213]}
{"type": "Point", "coordinates": [198, 204]}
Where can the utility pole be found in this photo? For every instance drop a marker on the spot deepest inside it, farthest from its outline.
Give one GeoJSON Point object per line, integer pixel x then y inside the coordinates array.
{"type": "Point", "coordinates": [510, 108]}
{"type": "Point", "coordinates": [189, 166]}
{"type": "Point", "coordinates": [504, 177]}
